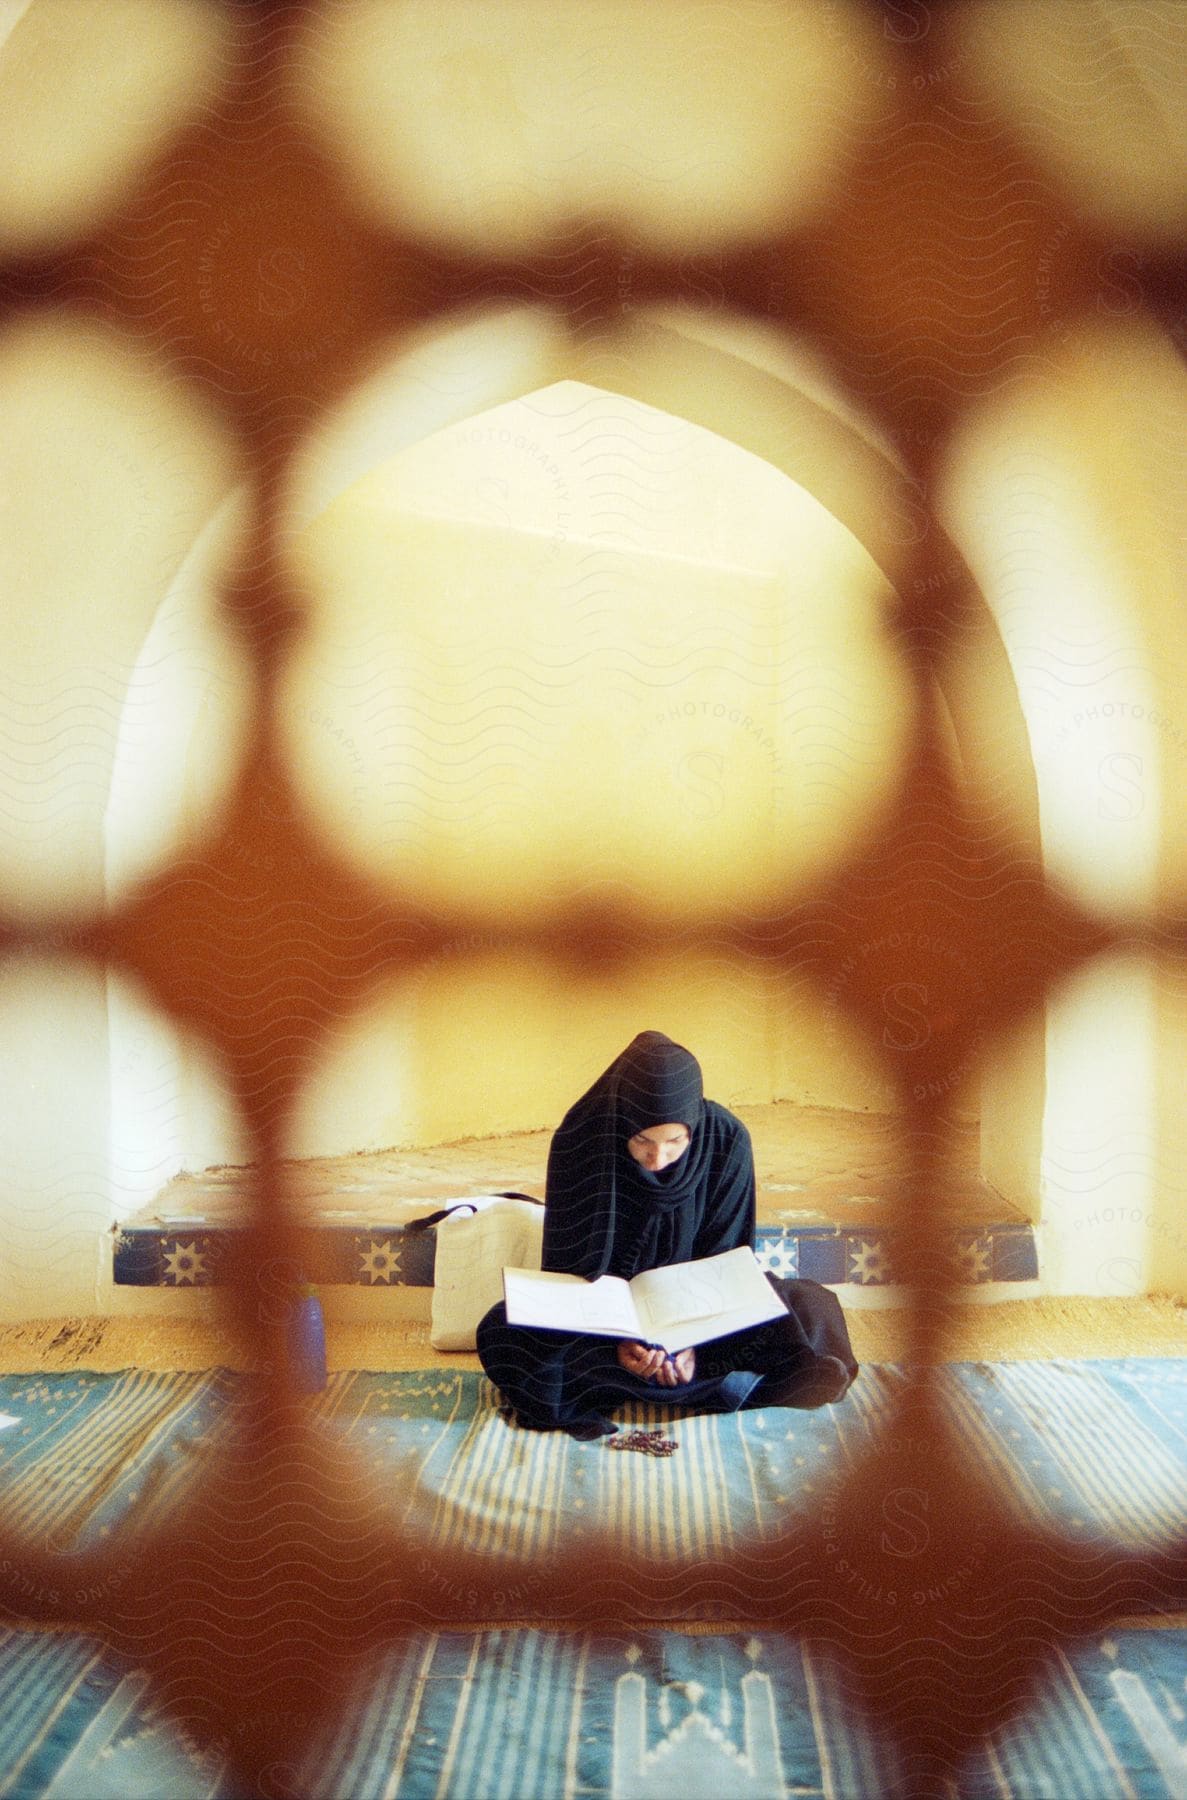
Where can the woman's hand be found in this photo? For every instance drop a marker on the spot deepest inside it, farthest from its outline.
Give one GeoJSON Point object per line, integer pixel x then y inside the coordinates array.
{"type": "Point", "coordinates": [655, 1365]}
{"type": "Point", "coordinates": [641, 1359]}
{"type": "Point", "coordinates": [678, 1370]}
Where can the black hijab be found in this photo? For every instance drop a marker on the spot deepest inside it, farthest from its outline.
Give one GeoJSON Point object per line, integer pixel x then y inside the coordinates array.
{"type": "Point", "coordinates": [605, 1213]}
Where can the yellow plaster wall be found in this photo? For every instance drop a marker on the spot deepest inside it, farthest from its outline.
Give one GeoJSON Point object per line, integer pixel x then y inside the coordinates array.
{"type": "Point", "coordinates": [488, 1043]}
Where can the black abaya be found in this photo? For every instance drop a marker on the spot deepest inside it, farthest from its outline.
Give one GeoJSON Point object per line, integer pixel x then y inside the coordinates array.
{"type": "Point", "coordinates": [606, 1214]}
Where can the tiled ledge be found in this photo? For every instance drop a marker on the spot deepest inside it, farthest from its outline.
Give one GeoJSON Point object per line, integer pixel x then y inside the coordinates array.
{"type": "Point", "coordinates": [391, 1256]}
{"type": "Point", "coordinates": [866, 1256]}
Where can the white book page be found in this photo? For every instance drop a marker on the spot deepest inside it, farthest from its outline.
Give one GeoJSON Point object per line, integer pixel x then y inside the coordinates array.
{"type": "Point", "coordinates": [698, 1300]}
{"type": "Point", "coordinates": [557, 1302]}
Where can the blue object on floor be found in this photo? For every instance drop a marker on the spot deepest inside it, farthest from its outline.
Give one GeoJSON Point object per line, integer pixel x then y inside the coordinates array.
{"type": "Point", "coordinates": [307, 1342]}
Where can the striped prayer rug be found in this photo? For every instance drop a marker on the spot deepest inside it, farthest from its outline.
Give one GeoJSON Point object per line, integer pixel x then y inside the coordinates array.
{"type": "Point", "coordinates": [1086, 1446]}
{"type": "Point", "coordinates": [539, 1715]}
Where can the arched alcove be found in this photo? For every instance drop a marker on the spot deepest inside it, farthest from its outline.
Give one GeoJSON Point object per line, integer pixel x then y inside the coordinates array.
{"type": "Point", "coordinates": [574, 642]}
{"type": "Point", "coordinates": [571, 569]}
{"type": "Point", "coordinates": [498, 427]}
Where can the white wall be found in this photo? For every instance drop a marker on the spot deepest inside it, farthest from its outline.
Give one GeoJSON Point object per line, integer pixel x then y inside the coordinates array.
{"type": "Point", "coordinates": [56, 1196]}
{"type": "Point", "coordinates": [1100, 1131]}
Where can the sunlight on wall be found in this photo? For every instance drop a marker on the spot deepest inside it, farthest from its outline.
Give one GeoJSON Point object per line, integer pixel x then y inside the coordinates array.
{"type": "Point", "coordinates": [437, 377]}
{"type": "Point", "coordinates": [577, 645]}
{"type": "Point", "coordinates": [1012, 1090]}
{"type": "Point", "coordinates": [87, 95]}
{"type": "Point", "coordinates": [793, 361]}
{"type": "Point", "coordinates": [55, 1180]}
{"type": "Point", "coordinates": [491, 126]}
{"type": "Point", "coordinates": [485, 1042]}
{"type": "Point", "coordinates": [1168, 1248]}
{"type": "Point", "coordinates": [103, 1103]}
{"type": "Point", "coordinates": [184, 718]}
{"type": "Point", "coordinates": [670, 654]}
{"type": "Point", "coordinates": [1069, 526]}
{"type": "Point", "coordinates": [1099, 1140]}
{"type": "Point", "coordinates": [1066, 499]}
{"type": "Point", "coordinates": [1146, 444]}
{"type": "Point", "coordinates": [110, 473]}
{"type": "Point", "coordinates": [1099, 92]}
{"type": "Point", "coordinates": [751, 384]}
{"type": "Point", "coordinates": [170, 1105]}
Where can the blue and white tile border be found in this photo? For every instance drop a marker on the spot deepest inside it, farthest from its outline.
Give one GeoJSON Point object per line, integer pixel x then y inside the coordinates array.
{"type": "Point", "coordinates": [389, 1256]}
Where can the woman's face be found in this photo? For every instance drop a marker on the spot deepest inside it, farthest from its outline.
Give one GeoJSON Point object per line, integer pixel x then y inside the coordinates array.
{"type": "Point", "coordinates": [659, 1146]}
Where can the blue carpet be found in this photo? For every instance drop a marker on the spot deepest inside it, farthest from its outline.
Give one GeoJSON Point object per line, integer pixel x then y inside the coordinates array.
{"type": "Point", "coordinates": [537, 1715]}
{"type": "Point", "coordinates": [1086, 1446]}
{"type": "Point", "coordinates": [526, 1713]}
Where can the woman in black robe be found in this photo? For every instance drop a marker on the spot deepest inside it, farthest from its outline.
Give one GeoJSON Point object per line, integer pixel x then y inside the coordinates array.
{"type": "Point", "coordinates": [642, 1172]}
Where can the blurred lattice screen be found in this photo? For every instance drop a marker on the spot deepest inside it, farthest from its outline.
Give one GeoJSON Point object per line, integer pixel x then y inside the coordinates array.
{"type": "Point", "coordinates": [253, 250]}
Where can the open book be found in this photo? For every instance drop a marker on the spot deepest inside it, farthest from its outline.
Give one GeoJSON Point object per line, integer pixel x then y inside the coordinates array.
{"type": "Point", "coordinates": [684, 1304]}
